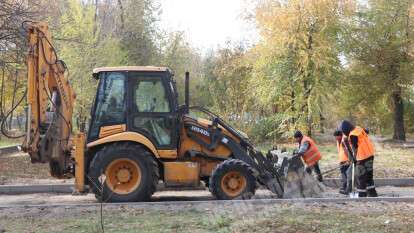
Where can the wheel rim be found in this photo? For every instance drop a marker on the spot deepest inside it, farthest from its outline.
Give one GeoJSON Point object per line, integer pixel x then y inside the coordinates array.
{"type": "Point", "coordinates": [123, 176]}
{"type": "Point", "coordinates": [233, 183]}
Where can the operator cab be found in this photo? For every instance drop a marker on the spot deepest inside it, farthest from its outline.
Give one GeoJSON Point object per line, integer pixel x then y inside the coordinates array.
{"type": "Point", "coordinates": [139, 99]}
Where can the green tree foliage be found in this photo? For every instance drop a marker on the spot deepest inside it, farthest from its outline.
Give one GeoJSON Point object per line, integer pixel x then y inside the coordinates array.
{"type": "Point", "coordinates": [95, 33]}
{"type": "Point", "coordinates": [378, 42]}
{"type": "Point", "coordinates": [228, 84]}
{"type": "Point", "coordinates": [12, 51]}
{"type": "Point", "coordinates": [180, 56]}
{"type": "Point", "coordinates": [296, 62]}
{"type": "Point", "coordinates": [137, 30]}
{"type": "Point", "coordinates": [316, 61]}
{"type": "Point", "coordinates": [82, 45]}
{"type": "Point", "coordinates": [321, 61]}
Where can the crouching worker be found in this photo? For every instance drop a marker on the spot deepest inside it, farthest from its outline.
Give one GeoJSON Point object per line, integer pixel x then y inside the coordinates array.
{"type": "Point", "coordinates": [310, 154]}
{"type": "Point", "coordinates": [344, 164]}
{"type": "Point", "coordinates": [363, 150]}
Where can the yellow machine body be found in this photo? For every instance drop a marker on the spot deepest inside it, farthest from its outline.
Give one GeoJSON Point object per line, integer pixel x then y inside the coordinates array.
{"type": "Point", "coordinates": [181, 173]}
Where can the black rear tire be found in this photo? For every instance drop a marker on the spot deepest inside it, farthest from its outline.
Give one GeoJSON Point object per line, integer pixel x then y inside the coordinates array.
{"type": "Point", "coordinates": [232, 166]}
{"type": "Point", "coordinates": [132, 152]}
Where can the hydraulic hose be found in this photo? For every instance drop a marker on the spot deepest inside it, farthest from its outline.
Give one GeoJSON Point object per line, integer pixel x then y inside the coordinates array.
{"type": "Point", "coordinates": [3, 121]}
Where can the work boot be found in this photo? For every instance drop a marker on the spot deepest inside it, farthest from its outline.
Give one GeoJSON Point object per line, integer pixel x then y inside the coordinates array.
{"type": "Point", "coordinates": [372, 193]}
{"type": "Point", "coordinates": [344, 192]}
{"type": "Point", "coordinates": [362, 194]}
{"type": "Point", "coordinates": [319, 178]}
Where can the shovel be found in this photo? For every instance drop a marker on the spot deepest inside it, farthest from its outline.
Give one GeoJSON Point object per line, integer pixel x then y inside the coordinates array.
{"type": "Point", "coordinates": [351, 157]}
{"type": "Point", "coordinates": [353, 194]}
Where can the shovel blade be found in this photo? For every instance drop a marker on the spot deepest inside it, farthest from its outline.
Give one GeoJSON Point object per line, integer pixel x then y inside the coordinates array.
{"type": "Point", "coordinates": [353, 195]}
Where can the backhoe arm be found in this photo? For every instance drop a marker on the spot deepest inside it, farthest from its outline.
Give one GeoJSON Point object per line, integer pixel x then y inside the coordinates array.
{"type": "Point", "coordinates": [50, 100]}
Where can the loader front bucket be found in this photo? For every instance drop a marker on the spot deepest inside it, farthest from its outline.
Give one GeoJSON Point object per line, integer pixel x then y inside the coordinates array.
{"type": "Point", "coordinates": [294, 180]}
{"type": "Point", "coordinates": [275, 187]}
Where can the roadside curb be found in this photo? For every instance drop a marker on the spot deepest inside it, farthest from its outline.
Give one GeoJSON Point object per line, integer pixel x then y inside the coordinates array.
{"type": "Point", "coordinates": [68, 188]}
{"type": "Point", "coordinates": [8, 150]}
{"type": "Point", "coordinates": [61, 188]}
{"type": "Point", "coordinates": [399, 182]}
{"type": "Point", "coordinates": [38, 188]}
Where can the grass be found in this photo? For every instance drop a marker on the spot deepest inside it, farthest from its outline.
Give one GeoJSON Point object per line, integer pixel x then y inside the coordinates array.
{"type": "Point", "coordinates": [9, 142]}
{"type": "Point", "coordinates": [389, 161]}
{"type": "Point", "coordinates": [353, 217]}
{"type": "Point", "coordinates": [122, 220]}
{"type": "Point", "coordinates": [324, 219]}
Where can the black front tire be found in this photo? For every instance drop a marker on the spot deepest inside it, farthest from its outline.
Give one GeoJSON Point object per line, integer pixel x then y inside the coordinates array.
{"type": "Point", "coordinates": [123, 150]}
{"type": "Point", "coordinates": [232, 165]}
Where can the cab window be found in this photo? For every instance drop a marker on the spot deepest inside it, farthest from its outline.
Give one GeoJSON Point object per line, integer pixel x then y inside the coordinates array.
{"type": "Point", "coordinates": [110, 101]}
{"type": "Point", "coordinates": [150, 96]}
{"type": "Point", "coordinates": [151, 108]}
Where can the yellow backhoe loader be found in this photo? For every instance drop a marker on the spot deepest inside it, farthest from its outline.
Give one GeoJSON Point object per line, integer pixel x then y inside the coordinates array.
{"type": "Point", "coordinates": [138, 134]}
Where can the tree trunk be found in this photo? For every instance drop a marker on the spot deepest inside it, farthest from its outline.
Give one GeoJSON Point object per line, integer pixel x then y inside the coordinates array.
{"type": "Point", "coordinates": [306, 111]}
{"type": "Point", "coordinates": [398, 112]}
{"type": "Point", "coordinates": [397, 102]}
{"type": "Point", "coordinates": [308, 117]}
{"type": "Point", "coordinates": [121, 8]}
{"type": "Point", "coordinates": [95, 25]}
{"type": "Point", "coordinates": [292, 102]}
{"type": "Point", "coordinates": [13, 99]}
{"type": "Point", "coordinates": [321, 123]}
{"type": "Point", "coordinates": [2, 94]}
{"type": "Point", "coordinates": [308, 86]}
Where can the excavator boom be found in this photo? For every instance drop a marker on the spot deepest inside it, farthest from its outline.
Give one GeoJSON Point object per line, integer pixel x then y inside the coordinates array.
{"type": "Point", "coordinates": [50, 100]}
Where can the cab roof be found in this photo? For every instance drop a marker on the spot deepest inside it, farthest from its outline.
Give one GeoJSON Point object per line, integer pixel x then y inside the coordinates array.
{"type": "Point", "coordinates": [130, 68]}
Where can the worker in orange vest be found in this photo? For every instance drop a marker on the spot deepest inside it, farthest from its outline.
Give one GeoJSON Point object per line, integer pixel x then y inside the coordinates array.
{"type": "Point", "coordinates": [363, 152]}
{"type": "Point", "coordinates": [344, 164]}
{"type": "Point", "coordinates": [309, 153]}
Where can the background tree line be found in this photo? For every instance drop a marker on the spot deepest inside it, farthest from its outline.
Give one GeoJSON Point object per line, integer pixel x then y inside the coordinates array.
{"type": "Point", "coordinates": [316, 61]}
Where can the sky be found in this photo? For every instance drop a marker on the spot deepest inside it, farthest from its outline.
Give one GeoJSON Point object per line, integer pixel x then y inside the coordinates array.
{"type": "Point", "coordinates": [207, 23]}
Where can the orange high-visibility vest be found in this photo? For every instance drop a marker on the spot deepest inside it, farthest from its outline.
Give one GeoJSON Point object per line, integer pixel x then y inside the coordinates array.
{"type": "Point", "coordinates": [312, 155]}
{"type": "Point", "coordinates": [365, 147]}
{"type": "Point", "coordinates": [343, 157]}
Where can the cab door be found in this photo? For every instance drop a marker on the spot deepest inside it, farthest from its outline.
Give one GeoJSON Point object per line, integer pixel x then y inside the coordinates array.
{"type": "Point", "coordinates": [110, 106]}
{"type": "Point", "coordinates": [151, 109]}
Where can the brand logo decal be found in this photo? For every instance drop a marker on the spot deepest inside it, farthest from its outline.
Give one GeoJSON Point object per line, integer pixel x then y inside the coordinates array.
{"type": "Point", "coordinates": [200, 130]}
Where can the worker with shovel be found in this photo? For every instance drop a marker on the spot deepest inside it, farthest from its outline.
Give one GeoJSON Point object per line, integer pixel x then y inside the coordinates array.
{"type": "Point", "coordinates": [344, 164]}
{"type": "Point", "coordinates": [310, 154]}
{"type": "Point", "coordinates": [362, 154]}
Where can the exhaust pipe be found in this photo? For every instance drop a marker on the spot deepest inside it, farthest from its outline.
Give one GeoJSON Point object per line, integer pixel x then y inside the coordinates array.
{"type": "Point", "coordinates": [187, 92]}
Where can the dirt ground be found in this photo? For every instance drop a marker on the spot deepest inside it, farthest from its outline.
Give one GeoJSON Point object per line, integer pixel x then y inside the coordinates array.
{"type": "Point", "coordinates": [17, 169]}
{"type": "Point", "coordinates": [294, 217]}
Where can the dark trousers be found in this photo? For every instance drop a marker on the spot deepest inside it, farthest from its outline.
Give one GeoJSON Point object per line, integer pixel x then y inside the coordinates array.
{"type": "Point", "coordinates": [317, 171]}
{"type": "Point", "coordinates": [346, 177]}
{"type": "Point", "coordinates": [365, 176]}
